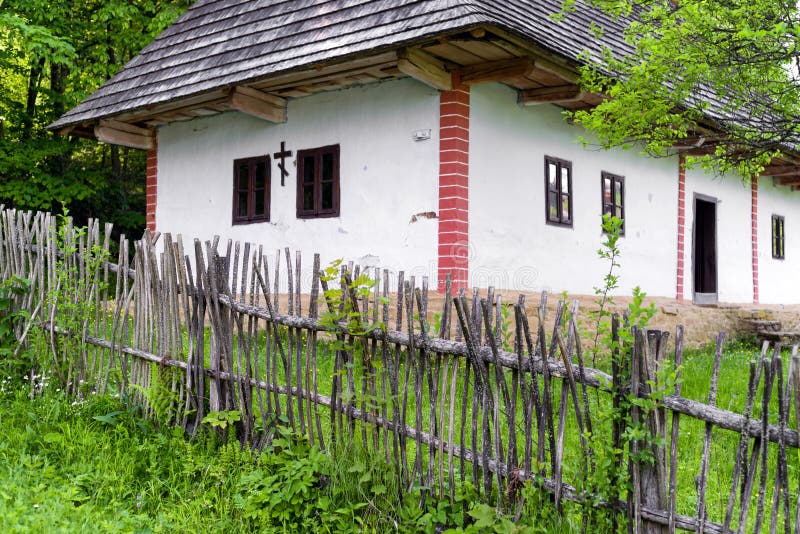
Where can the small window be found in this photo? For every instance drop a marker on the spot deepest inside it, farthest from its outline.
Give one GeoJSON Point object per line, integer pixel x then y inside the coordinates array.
{"type": "Point", "coordinates": [778, 238]}
{"type": "Point", "coordinates": [613, 191]}
{"type": "Point", "coordinates": [558, 191]}
{"type": "Point", "coordinates": [318, 182]}
{"type": "Point", "coordinates": [251, 190]}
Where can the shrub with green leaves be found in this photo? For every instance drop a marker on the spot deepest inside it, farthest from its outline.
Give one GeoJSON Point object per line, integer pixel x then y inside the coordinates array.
{"type": "Point", "coordinates": [71, 303]}
{"type": "Point", "coordinates": [12, 318]}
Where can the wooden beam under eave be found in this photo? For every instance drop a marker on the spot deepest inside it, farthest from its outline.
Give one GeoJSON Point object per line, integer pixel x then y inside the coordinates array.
{"type": "Point", "coordinates": [781, 170]}
{"type": "Point", "coordinates": [82, 130]}
{"type": "Point", "coordinates": [545, 60]}
{"type": "Point", "coordinates": [123, 134]}
{"type": "Point", "coordinates": [793, 180]}
{"type": "Point", "coordinates": [424, 68]}
{"type": "Point", "coordinates": [496, 71]}
{"type": "Point", "coordinates": [565, 73]}
{"type": "Point", "coordinates": [258, 104]}
{"type": "Point", "coordinates": [153, 112]}
{"type": "Point", "coordinates": [551, 95]}
{"type": "Point", "coordinates": [703, 150]}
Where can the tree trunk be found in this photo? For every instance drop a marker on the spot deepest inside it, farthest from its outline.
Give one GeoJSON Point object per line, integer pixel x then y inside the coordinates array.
{"type": "Point", "coordinates": [34, 82]}
{"type": "Point", "coordinates": [116, 165]}
{"type": "Point", "coordinates": [58, 84]}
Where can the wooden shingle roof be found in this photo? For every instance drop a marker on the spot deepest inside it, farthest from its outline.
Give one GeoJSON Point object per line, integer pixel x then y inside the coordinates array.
{"type": "Point", "coordinates": [219, 44]}
{"type": "Point", "coordinates": [254, 55]}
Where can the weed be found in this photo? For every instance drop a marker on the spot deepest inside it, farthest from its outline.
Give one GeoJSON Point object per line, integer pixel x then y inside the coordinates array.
{"type": "Point", "coordinates": [71, 466]}
{"type": "Point", "coordinates": [12, 317]}
{"type": "Point", "coordinates": [72, 304]}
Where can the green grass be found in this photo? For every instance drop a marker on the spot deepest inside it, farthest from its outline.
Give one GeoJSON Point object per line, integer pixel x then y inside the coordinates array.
{"type": "Point", "coordinates": [731, 395]}
{"type": "Point", "coordinates": [163, 495]}
{"type": "Point", "coordinates": [97, 465]}
{"type": "Point", "coordinates": [696, 374]}
{"type": "Point", "coordinates": [63, 470]}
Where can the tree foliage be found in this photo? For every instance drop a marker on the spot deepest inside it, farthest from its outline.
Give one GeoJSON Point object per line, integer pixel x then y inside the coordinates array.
{"type": "Point", "coordinates": [718, 76]}
{"type": "Point", "coordinates": [52, 56]}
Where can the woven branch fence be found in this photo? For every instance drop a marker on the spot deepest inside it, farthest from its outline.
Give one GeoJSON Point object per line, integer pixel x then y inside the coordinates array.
{"type": "Point", "coordinates": [474, 390]}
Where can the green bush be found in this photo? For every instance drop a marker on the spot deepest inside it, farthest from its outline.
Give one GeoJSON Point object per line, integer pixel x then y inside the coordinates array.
{"type": "Point", "coordinates": [12, 318]}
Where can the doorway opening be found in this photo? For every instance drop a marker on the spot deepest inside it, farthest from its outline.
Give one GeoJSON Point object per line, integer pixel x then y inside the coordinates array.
{"type": "Point", "coordinates": [705, 250]}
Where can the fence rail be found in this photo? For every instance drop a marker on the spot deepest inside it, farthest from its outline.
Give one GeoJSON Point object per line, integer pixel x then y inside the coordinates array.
{"type": "Point", "coordinates": [475, 390]}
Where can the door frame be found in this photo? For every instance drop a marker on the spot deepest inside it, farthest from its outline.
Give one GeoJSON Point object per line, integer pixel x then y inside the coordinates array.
{"type": "Point", "coordinates": [705, 299]}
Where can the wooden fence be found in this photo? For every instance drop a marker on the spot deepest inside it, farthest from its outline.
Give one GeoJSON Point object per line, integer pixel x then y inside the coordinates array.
{"type": "Point", "coordinates": [472, 391]}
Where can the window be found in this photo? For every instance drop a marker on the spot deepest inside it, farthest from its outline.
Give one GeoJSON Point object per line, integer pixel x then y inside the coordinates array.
{"type": "Point", "coordinates": [251, 188]}
{"type": "Point", "coordinates": [613, 191]}
{"type": "Point", "coordinates": [558, 191]}
{"type": "Point", "coordinates": [778, 238]}
{"type": "Point", "coordinates": [318, 182]}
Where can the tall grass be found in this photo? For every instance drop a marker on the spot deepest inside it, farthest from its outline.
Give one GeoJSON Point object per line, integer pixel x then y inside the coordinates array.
{"type": "Point", "coordinates": [97, 465]}
{"type": "Point", "coordinates": [75, 466]}
{"type": "Point", "coordinates": [72, 465]}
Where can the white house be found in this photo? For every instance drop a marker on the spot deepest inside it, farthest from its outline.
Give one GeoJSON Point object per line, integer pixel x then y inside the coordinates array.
{"type": "Point", "coordinates": [426, 136]}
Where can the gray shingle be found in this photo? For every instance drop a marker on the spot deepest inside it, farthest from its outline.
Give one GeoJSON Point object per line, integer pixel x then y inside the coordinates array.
{"type": "Point", "coordinates": [219, 43]}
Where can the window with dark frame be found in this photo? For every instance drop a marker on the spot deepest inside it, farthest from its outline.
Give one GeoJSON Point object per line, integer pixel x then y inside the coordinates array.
{"type": "Point", "coordinates": [558, 191]}
{"type": "Point", "coordinates": [613, 196]}
{"type": "Point", "coordinates": [251, 190]}
{"type": "Point", "coordinates": [318, 182]}
{"type": "Point", "coordinates": [778, 238]}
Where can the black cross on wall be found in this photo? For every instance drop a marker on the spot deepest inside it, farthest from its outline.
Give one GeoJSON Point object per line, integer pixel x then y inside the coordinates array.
{"type": "Point", "coordinates": [282, 155]}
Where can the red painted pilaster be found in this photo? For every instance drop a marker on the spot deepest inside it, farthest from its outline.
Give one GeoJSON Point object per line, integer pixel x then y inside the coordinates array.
{"type": "Point", "coordinates": [681, 226]}
{"type": "Point", "coordinates": [754, 233]}
{"type": "Point", "coordinates": [454, 187]}
{"type": "Point", "coordinates": [152, 182]}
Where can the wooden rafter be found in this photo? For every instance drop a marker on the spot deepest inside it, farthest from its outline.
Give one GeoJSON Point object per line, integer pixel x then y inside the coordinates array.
{"type": "Point", "coordinates": [79, 130]}
{"type": "Point", "coordinates": [545, 60]}
{"type": "Point", "coordinates": [703, 150]}
{"type": "Point", "coordinates": [153, 112]}
{"type": "Point", "coordinates": [258, 104]}
{"type": "Point", "coordinates": [566, 74]}
{"type": "Point", "coordinates": [496, 71]}
{"type": "Point", "coordinates": [551, 95]}
{"type": "Point", "coordinates": [120, 133]}
{"type": "Point", "coordinates": [424, 68]}
{"type": "Point", "coordinates": [481, 48]}
{"type": "Point", "coordinates": [334, 72]}
{"type": "Point", "coordinates": [781, 170]}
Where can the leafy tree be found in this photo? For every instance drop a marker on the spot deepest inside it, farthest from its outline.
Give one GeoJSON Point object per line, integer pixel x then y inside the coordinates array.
{"type": "Point", "coordinates": [716, 76]}
{"type": "Point", "coordinates": [53, 55]}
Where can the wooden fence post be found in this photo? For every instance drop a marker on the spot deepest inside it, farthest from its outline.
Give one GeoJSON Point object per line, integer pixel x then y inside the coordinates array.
{"type": "Point", "coordinates": [164, 302]}
{"type": "Point", "coordinates": [649, 348]}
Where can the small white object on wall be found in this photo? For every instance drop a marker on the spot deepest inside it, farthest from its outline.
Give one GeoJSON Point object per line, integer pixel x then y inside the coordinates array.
{"type": "Point", "coordinates": [421, 135]}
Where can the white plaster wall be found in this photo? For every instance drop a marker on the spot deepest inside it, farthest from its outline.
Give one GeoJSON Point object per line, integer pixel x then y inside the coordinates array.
{"type": "Point", "coordinates": [734, 250]}
{"type": "Point", "coordinates": [778, 280]}
{"type": "Point", "coordinates": [386, 177]}
{"type": "Point", "coordinates": [512, 247]}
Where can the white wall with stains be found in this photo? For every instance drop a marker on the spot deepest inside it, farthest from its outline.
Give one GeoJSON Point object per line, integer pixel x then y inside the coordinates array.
{"type": "Point", "coordinates": [734, 250]}
{"type": "Point", "coordinates": [779, 280]}
{"type": "Point", "coordinates": [512, 246]}
{"type": "Point", "coordinates": [386, 177]}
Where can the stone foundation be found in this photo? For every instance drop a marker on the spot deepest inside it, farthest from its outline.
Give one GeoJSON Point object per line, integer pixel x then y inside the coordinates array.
{"type": "Point", "coordinates": [701, 323]}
